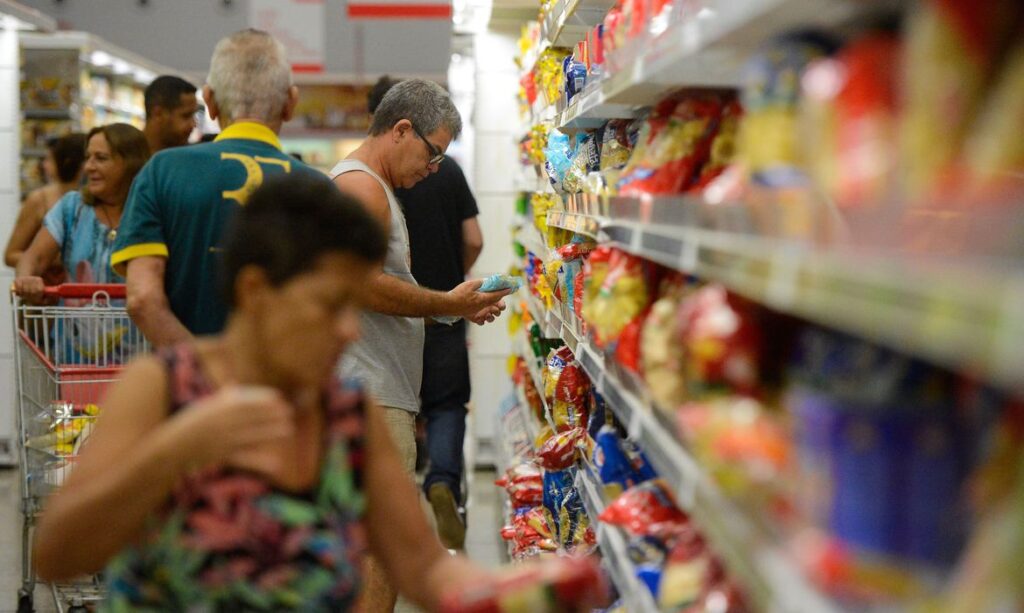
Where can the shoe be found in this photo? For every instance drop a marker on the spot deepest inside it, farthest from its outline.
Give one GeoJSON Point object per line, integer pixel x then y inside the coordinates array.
{"type": "Point", "coordinates": [450, 526]}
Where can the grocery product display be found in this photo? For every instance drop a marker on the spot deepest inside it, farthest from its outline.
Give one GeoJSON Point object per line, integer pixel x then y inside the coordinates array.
{"type": "Point", "coordinates": [761, 305]}
{"type": "Point", "coordinates": [73, 81]}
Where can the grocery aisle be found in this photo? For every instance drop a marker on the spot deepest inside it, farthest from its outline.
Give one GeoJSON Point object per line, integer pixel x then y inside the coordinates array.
{"type": "Point", "coordinates": [768, 350]}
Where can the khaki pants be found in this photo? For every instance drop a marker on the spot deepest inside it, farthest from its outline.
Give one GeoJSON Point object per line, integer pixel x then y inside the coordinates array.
{"type": "Point", "coordinates": [402, 425]}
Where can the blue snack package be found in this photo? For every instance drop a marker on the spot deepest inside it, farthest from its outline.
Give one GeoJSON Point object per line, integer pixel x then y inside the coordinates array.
{"type": "Point", "coordinates": [557, 483]}
{"type": "Point", "coordinates": [613, 466]}
{"type": "Point", "coordinates": [493, 283]}
{"type": "Point", "coordinates": [496, 283]}
{"type": "Point", "coordinates": [650, 575]}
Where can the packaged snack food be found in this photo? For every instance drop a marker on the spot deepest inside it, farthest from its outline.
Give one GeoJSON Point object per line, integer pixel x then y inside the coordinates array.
{"type": "Point", "coordinates": [557, 484]}
{"type": "Point", "coordinates": [647, 510]}
{"type": "Point", "coordinates": [951, 53]}
{"type": "Point", "coordinates": [622, 296]}
{"type": "Point", "coordinates": [850, 111]}
{"type": "Point", "coordinates": [661, 352]}
{"type": "Point", "coordinates": [769, 134]}
{"type": "Point", "coordinates": [722, 342]}
{"type": "Point", "coordinates": [557, 158]}
{"type": "Point", "coordinates": [557, 360]}
{"type": "Point", "coordinates": [677, 147]}
{"type": "Point", "coordinates": [524, 484]}
{"type": "Point", "coordinates": [994, 153]}
{"type": "Point", "coordinates": [559, 584]}
{"type": "Point", "coordinates": [722, 150]}
{"type": "Point", "coordinates": [686, 572]}
{"type": "Point", "coordinates": [560, 451]}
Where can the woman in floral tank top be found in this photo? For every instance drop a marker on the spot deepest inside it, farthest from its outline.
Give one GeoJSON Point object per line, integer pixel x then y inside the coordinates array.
{"type": "Point", "coordinates": [225, 474]}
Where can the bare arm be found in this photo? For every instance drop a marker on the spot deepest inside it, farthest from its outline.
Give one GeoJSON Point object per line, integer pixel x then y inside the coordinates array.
{"type": "Point", "coordinates": [30, 219]}
{"type": "Point", "coordinates": [28, 283]}
{"type": "Point", "coordinates": [398, 531]}
{"type": "Point", "coordinates": [391, 296]}
{"type": "Point", "coordinates": [148, 305]}
{"type": "Point", "coordinates": [472, 243]}
{"type": "Point", "coordinates": [136, 456]}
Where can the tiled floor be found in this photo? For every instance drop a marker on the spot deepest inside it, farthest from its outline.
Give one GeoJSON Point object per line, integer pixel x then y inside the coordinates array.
{"type": "Point", "coordinates": [483, 543]}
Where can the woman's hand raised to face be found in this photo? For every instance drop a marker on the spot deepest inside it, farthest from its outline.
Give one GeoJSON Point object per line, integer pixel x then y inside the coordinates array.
{"type": "Point", "coordinates": [232, 425]}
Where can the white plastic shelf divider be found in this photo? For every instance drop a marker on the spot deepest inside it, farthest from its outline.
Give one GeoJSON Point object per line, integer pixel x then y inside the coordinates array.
{"type": "Point", "coordinates": [587, 225]}
{"type": "Point", "coordinates": [960, 314]}
{"type": "Point", "coordinates": [612, 544]}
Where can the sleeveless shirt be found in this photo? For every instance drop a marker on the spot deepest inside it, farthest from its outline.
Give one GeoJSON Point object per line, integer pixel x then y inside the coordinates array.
{"type": "Point", "coordinates": [388, 358]}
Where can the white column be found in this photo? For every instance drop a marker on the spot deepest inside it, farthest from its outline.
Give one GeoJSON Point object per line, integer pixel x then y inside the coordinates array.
{"type": "Point", "coordinates": [10, 156]}
{"type": "Point", "coordinates": [495, 122]}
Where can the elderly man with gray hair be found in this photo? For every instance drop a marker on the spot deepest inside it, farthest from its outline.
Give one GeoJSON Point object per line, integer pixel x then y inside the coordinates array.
{"type": "Point", "coordinates": [412, 127]}
{"type": "Point", "coordinates": [182, 200]}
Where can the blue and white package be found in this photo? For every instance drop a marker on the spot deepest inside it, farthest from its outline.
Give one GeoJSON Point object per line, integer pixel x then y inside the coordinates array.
{"type": "Point", "coordinates": [493, 283]}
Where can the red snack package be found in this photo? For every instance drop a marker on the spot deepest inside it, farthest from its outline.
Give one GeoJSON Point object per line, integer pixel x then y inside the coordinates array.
{"type": "Point", "coordinates": [572, 385]}
{"type": "Point", "coordinates": [559, 452]}
{"type": "Point", "coordinates": [722, 150]}
{"type": "Point", "coordinates": [647, 510]}
{"type": "Point", "coordinates": [676, 150]}
{"type": "Point", "coordinates": [524, 484]}
{"type": "Point", "coordinates": [563, 583]}
{"type": "Point", "coordinates": [722, 341]}
{"type": "Point", "coordinates": [627, 351]}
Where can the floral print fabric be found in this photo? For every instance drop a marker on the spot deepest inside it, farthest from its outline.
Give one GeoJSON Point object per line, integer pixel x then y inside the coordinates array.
{"type": "Point", "coordinates": [229, 541]}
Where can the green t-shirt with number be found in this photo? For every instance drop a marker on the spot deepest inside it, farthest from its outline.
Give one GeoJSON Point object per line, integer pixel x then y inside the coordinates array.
{"type": "Point", "coordinates": [180, 204]}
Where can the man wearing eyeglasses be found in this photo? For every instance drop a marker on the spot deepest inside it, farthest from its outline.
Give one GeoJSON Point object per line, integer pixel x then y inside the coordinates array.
{"type": "Point", "coordinates": [411, 129]}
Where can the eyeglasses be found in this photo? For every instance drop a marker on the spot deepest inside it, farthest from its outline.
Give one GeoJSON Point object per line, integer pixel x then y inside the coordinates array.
{"type": "Point", "coordinates": [436, 155]}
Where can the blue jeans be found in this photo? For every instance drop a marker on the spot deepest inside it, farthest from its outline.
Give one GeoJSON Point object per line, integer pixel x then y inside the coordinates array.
{"type": "Point", "coordinates": [443, 396]}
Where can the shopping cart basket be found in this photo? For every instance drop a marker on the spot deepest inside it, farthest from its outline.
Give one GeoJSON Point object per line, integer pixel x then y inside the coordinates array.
{"type": "Point", "coordinates": [65, 357]}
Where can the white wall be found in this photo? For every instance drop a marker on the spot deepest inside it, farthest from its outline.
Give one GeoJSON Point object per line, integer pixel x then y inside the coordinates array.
{"type": "Point", "coordinates": [10, 151]}
{"type": "Point", "coordinates": [495, 124]}
{"type": "Point", "coordinates": [181, 34]}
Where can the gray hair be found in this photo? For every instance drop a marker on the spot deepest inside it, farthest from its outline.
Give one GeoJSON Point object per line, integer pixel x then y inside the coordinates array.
{"type": "Point", "coordinates": [250, 76]}
{"type": "Point", "coordinates": [422, 102]}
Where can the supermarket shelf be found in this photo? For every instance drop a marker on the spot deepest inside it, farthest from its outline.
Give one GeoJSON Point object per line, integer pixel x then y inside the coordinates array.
{"type": "Point", "coordinates": [579, 223]}
{"type": "Point", "coordinates": [961, 314]}
{"type": "Point", "coordinates": [772, 580]}
{"type": "Point", "coordinates": [706, 49]}
{"type": "Point", "coordinates": [47, 114]}
{"type": "Point", "coordinates": [566, 24]}
{"type": "Point", "coordinates": [612, 544]}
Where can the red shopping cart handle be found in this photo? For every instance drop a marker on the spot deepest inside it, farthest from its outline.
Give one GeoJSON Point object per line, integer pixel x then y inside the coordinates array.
{"type": "Point", "coordinates": [86, 290]}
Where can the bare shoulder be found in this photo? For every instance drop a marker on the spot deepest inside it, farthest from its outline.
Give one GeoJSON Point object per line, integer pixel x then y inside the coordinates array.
{"type": "Point", "coordinates": [367, 190]}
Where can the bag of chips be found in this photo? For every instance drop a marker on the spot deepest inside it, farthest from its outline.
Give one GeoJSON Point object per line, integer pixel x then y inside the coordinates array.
{"type": "Point", "coordinates": [647, 510]}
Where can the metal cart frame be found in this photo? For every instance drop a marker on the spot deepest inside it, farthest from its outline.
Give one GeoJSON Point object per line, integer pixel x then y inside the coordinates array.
{"type": "Point", "coordinates": [67, 352]}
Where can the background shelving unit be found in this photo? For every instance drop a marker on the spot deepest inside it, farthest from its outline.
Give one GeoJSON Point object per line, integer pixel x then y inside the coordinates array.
{"type": "Point", "coordinates": [74, 81]}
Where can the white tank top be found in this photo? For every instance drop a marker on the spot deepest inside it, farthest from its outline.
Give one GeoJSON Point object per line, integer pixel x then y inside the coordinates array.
{"type": "Point", "coordinates": [389, 354]}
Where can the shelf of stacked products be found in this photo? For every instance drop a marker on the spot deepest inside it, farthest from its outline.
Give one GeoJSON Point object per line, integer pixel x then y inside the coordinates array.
{"type": "Point", "coordinates": [742, 254]}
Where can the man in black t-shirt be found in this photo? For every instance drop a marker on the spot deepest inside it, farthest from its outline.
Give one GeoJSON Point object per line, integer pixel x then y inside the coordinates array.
{"type": "Point", "coordinates": [445, 240]}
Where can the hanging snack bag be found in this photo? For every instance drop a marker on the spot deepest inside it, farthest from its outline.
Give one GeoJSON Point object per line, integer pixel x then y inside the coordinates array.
{"type": "Point", "coordinates": [556, 585]}
{"type": "Point", "coordinates": [721, 340]}
{"type": "Point", "coordinates": [951, 53]}
{"type": "Point", "coordinates": [677, 149]}
{"type": "Point", "coordinates": [647, 510]}
{"type": "Point", "coordinates": [559, 452]}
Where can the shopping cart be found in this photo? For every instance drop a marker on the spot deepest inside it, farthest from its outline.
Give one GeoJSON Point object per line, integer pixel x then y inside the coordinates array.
{"type": "Point", "coordinates": [65, 357]}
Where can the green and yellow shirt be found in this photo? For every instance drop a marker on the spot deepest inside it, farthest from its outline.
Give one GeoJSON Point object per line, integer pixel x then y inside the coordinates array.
{"type": "Point", "coordinates": [179, 207]}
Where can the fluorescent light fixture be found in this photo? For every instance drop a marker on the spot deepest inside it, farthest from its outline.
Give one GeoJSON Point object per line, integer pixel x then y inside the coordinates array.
{"type": "Point", "coordinates": [100, 58]}
{"type": "Point", "coordinates": [144, 76]}
{"type": "Point", "coordinates": [121, 67]}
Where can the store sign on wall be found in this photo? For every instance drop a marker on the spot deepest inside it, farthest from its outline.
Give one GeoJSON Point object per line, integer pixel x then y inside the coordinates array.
{"type": "Point", "coordinates": [399, 9]}
{"type": "Point", "coordinates": [289, 21]}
